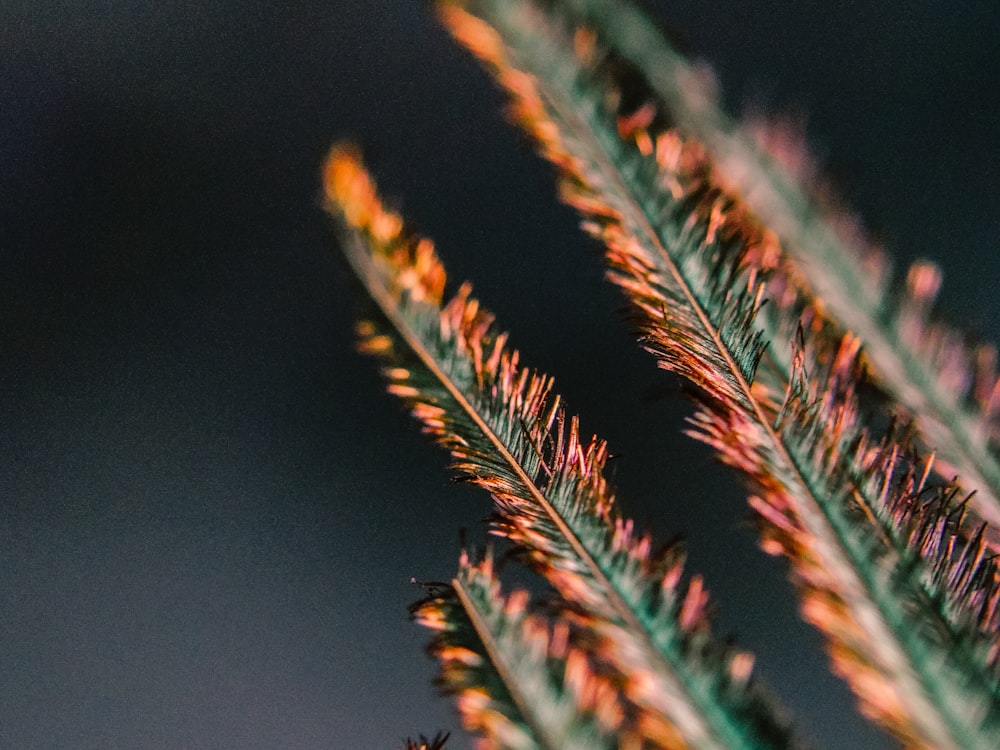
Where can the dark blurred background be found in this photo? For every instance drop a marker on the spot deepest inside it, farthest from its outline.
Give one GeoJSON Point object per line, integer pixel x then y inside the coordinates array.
{"type": "Point", "coordinates": [209, 511]}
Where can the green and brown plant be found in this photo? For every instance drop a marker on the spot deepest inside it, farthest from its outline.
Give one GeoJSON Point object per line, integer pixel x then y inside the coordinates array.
{"type": "Point", "coordinates": [865, 429]}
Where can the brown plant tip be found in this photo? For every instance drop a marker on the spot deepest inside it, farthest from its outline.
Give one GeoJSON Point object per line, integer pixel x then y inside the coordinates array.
{"type": "Point", "coordinates": [423, 743]}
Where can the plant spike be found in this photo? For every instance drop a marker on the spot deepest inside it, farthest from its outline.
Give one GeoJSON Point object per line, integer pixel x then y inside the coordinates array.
{"type": "Point", "coordinates": [695, 266]}
{"type": "Point", "coordinates": [949, 388]}
{"type": "Point", "coordinates": [518, 680]}
{"type": "Point", "coordinates": [509, 434]}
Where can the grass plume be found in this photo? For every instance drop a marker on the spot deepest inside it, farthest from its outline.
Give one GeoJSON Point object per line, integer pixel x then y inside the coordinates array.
{"type": "Point", "coordinates": [741, 295]}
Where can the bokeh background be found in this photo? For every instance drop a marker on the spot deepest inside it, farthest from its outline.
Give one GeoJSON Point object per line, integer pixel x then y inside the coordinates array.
{"type": "Point", "coordinates": [209, 511]}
